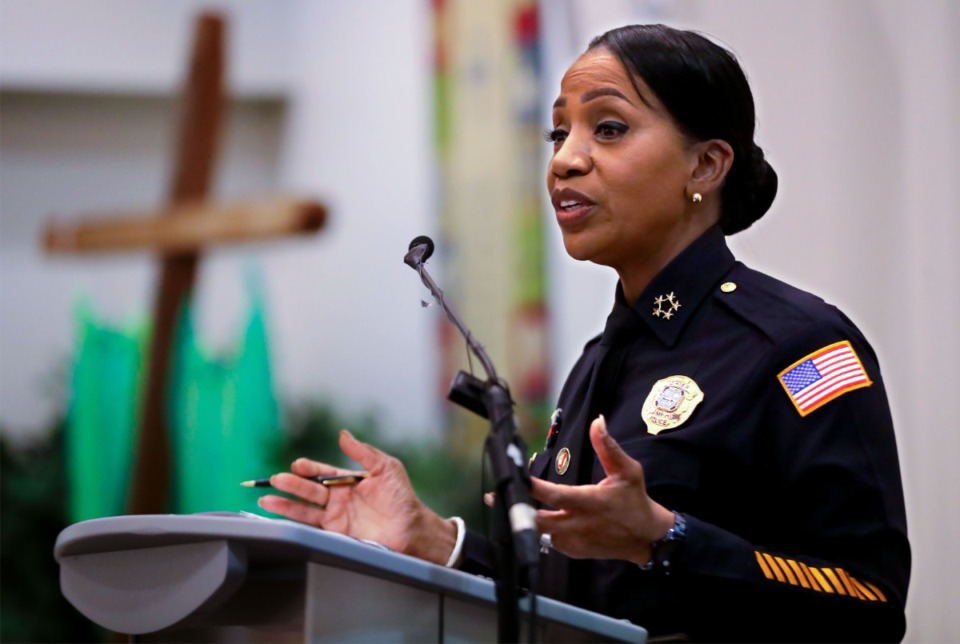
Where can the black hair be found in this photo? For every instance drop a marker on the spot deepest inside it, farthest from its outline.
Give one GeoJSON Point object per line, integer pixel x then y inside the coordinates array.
{"type": "Point", "coordinates": [706, 93]}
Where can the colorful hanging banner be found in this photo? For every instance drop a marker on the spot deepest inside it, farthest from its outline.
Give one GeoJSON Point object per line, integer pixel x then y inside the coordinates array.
{"type": "Point", "coordinates": [490, 167]}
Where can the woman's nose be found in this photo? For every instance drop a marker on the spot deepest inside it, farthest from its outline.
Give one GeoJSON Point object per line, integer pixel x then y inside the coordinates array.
{"type": "Point", "coordinates": [571, 158]}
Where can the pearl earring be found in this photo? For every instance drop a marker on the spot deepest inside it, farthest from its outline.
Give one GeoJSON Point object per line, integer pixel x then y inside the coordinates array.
{"type": "Point", "coordinates": [696, 197]}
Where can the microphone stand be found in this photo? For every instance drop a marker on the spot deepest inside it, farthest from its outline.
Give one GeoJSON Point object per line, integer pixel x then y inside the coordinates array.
{"type": "Point", "coordinates": [513, 531]}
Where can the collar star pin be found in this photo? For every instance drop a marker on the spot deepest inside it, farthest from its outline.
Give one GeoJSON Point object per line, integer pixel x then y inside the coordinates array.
{"type": "Point", "coordinates": [665, 306]}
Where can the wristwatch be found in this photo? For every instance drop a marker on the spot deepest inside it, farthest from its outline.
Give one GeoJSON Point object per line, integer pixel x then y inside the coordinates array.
{"type": "Point", "coordinates": [665, 548]}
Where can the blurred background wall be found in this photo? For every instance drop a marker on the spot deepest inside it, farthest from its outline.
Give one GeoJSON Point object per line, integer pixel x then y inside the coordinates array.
{"type": "Point", "coordinates": [327, 102]}
{"type": "Point", "coordinates": [857, 106]}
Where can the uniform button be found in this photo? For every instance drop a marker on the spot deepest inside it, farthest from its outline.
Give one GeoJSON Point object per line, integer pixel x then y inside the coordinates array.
{"type": "Point", "coordinates": [728, 287]}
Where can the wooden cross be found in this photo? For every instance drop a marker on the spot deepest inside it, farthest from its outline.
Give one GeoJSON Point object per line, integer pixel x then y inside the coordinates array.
{"type": "Point", "coordinates": [179, 234]}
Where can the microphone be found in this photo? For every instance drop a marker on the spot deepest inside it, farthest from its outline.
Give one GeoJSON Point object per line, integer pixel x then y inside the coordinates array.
{"type": "Point", "coordinates": [514, 530]}
{"type": "Point", "coordinates": [491, 400]}
{"type": "Point", "coordinates": [420, 250]}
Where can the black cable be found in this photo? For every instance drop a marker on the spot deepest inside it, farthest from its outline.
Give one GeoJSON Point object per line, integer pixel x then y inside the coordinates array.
{"type": "Point", "coordinates": [534, 580]}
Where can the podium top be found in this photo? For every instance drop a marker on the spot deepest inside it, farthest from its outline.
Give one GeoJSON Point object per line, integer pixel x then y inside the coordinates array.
{"type": "Point", "coordinates": [279, 542]}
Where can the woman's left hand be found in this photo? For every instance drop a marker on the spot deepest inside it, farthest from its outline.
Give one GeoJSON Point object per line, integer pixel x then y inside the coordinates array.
{"type": "Point", "coordinates": [613, 519]}
{"type": "Point", "coordinates": [383, 507]}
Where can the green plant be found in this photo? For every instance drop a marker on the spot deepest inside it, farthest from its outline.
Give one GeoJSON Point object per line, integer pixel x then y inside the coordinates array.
{"type": "Point", "coordinates": [34, 511]}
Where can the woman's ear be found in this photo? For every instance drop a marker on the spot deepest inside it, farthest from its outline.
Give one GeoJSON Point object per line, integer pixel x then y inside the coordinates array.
{"type": "Point", "coordinates": [714, 159]}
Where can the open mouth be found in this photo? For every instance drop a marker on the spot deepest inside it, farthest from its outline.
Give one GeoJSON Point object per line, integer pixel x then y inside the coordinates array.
{"type": "Point", "coordinates": [571, 206]}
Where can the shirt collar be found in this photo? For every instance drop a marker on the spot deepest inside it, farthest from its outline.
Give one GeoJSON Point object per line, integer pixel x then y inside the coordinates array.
{"type": "Point", "coordinates": [671, 299]}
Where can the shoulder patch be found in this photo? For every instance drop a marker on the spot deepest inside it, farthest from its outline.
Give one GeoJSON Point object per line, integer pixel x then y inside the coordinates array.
{"type": "Point", "coordinates": [828, 373]}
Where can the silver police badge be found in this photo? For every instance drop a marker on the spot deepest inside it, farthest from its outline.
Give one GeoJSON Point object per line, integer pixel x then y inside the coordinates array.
{"type": "Point", "coordinates": [670, 403]}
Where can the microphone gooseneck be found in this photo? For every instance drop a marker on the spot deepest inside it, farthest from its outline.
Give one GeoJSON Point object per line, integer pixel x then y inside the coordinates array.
{"type": "Point", "coordinates": [420, 250]}
{"type": "Point", "coordinates": [514, 531]}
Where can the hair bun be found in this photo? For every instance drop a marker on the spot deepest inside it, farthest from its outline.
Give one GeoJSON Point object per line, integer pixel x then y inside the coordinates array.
{"type": "Point", "coordinates": [763, 179]}
{"type": "Point", "coordinates": [753, 186]}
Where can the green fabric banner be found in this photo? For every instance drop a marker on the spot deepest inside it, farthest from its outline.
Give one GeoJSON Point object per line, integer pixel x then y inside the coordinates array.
{"type": "Point", "coordinates": [100, 435]}
{"type": "Point", "coordinates": [224, 417]}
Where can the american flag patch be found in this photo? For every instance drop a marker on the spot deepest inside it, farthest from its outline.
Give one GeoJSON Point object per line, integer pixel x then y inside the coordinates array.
{"type": "Point", "coordinates": [825, 374]}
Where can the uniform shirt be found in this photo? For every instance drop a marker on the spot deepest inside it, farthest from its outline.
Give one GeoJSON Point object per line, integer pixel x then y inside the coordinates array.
{"type": "Point", "coordinates": [784, 466]}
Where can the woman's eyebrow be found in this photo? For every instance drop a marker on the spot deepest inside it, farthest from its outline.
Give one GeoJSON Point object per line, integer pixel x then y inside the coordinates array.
{"type": "Point", "coordinates": [592, 94]}
{"type": "Point", "coordinates": [602, 91]}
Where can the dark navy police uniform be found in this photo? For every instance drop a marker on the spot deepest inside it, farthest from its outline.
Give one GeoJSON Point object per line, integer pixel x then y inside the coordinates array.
{"type": "Point", "coordinates": [758, 412]}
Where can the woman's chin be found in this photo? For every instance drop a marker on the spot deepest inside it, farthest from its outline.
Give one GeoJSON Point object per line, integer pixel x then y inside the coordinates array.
{"type": "Point", "coordinates": [573, 246]}
{"type": "Point", "coordinates": [580, 248]}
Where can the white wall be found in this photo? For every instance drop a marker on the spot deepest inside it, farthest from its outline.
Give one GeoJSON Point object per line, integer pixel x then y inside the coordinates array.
{"type": "Point", "coordinates": [360, 135]}
{"type": "Point", "coordinates": [111, 46]}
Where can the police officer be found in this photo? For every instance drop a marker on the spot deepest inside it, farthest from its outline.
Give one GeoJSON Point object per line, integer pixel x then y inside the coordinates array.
{"type": "Point", "coordinates": [722, 462]}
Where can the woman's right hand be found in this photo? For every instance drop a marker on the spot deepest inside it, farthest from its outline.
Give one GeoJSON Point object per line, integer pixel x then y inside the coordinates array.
{"type": "Point", "coordinates": [381, 508]}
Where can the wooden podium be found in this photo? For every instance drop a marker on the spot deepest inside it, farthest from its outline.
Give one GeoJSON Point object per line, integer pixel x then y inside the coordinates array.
{"type": "Point", "coordinates": [240, 577]}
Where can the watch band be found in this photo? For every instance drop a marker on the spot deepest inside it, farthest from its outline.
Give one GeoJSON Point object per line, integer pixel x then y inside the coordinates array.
{"type": "Point", "coordinates": [664, 550]}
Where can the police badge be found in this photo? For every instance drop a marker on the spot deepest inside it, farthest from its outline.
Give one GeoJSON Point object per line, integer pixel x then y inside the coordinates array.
{"type": "Point", "coordinates": [670, 403]}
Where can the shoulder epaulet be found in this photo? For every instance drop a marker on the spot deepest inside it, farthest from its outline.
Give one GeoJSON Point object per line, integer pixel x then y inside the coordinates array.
{"type": "Point", "coordinates": [778, 309]}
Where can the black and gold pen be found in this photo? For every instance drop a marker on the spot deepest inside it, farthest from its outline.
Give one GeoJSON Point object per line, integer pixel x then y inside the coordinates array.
{"type": "Point", "coordinates": [326, 481]}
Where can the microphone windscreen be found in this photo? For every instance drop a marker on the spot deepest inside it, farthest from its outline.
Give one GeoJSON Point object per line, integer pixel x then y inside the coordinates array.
{"type": "Point", "coordinates": [423, 240]}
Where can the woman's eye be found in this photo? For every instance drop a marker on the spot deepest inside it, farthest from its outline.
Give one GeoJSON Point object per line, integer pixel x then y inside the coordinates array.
{"type": "Point", "coordinates": [555, 136]}
{"type": "Point", "coordinates": [611, 129]}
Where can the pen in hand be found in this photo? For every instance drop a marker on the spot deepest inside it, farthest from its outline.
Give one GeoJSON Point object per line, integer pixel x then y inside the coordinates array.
{"type": "Point", "coordinates": [326, 481]}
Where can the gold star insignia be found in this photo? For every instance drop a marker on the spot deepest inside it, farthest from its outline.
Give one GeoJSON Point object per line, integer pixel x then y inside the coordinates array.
{"type": "Point", "coordinates": [665, 306]}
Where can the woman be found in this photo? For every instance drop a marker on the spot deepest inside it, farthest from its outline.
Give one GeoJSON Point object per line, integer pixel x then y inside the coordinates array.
{"type": "Point", "coordinates": [722, 463]}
